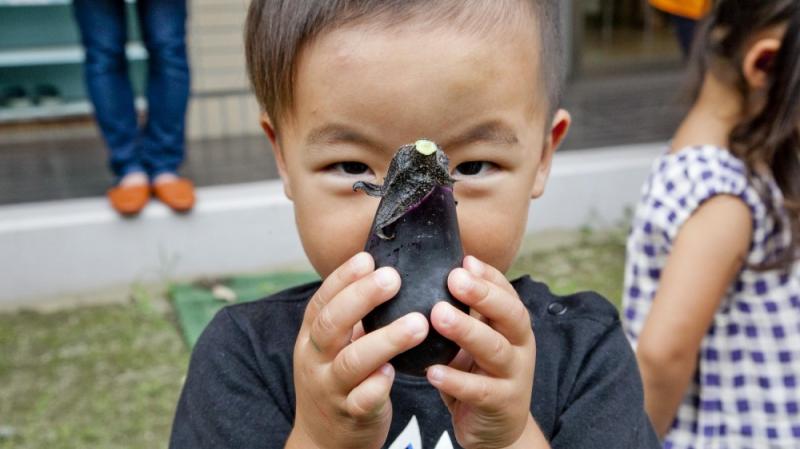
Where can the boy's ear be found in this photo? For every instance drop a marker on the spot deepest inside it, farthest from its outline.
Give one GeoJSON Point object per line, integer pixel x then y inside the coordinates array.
{"type": "Point", "coordinates": [558, 130]}
{"type": "Point", "coordinates": [758, 62]}
{"type": "Point", "coordinates": [277, 151]}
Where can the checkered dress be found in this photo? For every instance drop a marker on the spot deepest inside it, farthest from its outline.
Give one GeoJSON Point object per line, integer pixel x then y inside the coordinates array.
{"type": "Point", "coordinates": [745, 392]}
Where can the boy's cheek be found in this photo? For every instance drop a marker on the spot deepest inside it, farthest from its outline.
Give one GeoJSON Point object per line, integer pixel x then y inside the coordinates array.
{"type": "Point", "coordinates": [501, 256]}
{"type": "Point", "coordinates": [331, 233]}
{"type": "Point", "coordinates": [493, 237]}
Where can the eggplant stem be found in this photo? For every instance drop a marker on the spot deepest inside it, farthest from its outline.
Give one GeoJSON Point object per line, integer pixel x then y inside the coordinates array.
{"type": "Point", "coordinates": [425, 147]}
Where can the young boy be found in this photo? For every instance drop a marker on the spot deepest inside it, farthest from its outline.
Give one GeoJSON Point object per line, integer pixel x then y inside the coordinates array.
{"type": "Point", "coordinates": [342, 85]}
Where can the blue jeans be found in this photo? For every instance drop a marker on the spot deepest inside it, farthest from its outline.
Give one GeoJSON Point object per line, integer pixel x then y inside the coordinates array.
{"type": "Point", "coordinates": [158, 146]}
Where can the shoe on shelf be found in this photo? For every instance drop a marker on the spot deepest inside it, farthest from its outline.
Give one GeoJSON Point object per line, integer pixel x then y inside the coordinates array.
{"type": "Point", "coordinates": [177, 193]}
{"type": "Point", "coordinates": [14, 97]}
{"type": "Point", "coordinates": [129, 200]}
{"type": "Point", "coordinates": [47, 95]}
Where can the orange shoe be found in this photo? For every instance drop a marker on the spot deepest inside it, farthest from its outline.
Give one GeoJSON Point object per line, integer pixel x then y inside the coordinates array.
{"type": "Point", "coordinates": [129, 200]}
{"type": "Point", "coordinates": [178, 194]}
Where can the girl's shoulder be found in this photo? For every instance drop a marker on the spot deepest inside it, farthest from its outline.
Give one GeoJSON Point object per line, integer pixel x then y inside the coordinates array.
{"type": "Point", "coordinates": [699, 170]}
{"type": "Point", "coordinates": [681, 181]}
{"type": "Point", "coordinates": [704, 161]}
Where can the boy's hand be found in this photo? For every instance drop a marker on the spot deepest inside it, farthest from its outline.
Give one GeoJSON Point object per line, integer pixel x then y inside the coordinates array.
{"type": "Point", "coordinates": [342, 386]}
{"type": "Point", "coordinates": [488, 386]}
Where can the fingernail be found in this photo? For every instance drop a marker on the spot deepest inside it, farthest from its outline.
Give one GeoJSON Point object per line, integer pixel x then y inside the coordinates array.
{"type": "Point", "coordinates": [448, 316]}
{"type": "Point", "coordinates": [385, 277]}
{"type": "Point", "coordinates": [435, 374]}
{"type": "Point", "coordinates": [387, 370]}
{"type": "Point", "coordinates": [360, 262]}
{"type": "Point", "coordinates": [414, 325]}
{"type": "Point", "coordinates": [463, 281]}
{"type": "Point", "coordinates": [474, 265]}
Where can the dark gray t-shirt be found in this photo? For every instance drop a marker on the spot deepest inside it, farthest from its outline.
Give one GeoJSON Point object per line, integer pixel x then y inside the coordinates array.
{"type": "Point", "coordinates": [587, 392]}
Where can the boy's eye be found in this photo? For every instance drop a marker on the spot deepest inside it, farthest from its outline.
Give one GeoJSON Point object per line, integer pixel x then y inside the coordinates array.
{"type": "Point", "coordinates": [350, 168]}
{"type": "Point", "coordinates": [354, 168]}
{"type": "Point", "coordinates": [473, 168]}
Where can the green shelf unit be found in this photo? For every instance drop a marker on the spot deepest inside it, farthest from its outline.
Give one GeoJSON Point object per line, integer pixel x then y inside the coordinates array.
{"type": "Point", "coordinates": [52, 55]}
{"type": "Point", "coordinates": [70, 83]}
{"type": "Point", "coordinates": [40, 45]}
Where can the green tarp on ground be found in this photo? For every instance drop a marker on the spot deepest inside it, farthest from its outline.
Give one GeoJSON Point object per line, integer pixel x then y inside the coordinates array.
{"type": "Point", "coordinates": [197, 303]}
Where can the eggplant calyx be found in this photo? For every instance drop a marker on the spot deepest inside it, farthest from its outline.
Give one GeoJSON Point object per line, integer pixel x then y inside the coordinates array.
{"type": "Point", "coordinates": [368, 188]}
{"type": "Point", "coordinates": [414, 173]}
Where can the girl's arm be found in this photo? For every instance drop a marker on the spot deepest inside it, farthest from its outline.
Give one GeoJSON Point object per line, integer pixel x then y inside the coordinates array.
{"type": "Point", "coordinates": [705, 259]}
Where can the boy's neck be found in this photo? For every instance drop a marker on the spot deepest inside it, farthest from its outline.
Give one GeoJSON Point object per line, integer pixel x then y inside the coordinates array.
{"type": "Point", "coordinates": [713, 116]}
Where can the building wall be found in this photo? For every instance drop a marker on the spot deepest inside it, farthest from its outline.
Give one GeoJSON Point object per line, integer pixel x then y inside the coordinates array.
{"type": "Point", "coordinates": [221, 104]}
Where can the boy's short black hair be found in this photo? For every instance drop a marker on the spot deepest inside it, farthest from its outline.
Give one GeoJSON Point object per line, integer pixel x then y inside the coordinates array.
{"type": "Point", "coordinates": [276, 31]}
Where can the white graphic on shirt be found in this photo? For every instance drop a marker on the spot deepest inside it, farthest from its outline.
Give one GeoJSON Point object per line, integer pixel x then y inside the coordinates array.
{"type": "Point", "coordinates": [411, 438]}
{"type": "Point", "coordinates": [444, 442]}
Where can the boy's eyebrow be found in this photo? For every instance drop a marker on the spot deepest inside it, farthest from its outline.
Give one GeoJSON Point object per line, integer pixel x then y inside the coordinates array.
{"type": "Point", "coordinates": [492, 131]}
{"type": "Point", "coordinates": [335, 133]}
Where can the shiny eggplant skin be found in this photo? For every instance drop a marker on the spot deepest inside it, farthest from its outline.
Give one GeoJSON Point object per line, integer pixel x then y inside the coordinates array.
{"type": "Point", "coordinates": [423, 244]}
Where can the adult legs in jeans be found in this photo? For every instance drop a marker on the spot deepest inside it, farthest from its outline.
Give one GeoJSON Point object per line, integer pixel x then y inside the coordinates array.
{"type": "Point", "coordinates": [103, 33]}
{"type": "Point", "coordinates": [158, 148]}
{"type": "Point", "coordinates": [163, 25]}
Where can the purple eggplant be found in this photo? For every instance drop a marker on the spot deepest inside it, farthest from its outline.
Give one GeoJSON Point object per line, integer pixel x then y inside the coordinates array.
{"type": "Point", "coordinates": [416, 231]}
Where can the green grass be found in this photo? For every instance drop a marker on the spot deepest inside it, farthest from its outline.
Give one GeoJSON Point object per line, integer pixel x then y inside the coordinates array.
{"type": "Point", "coordinates": [591, 262]}
{"type": "Point", "coordinates": [110, 376]}
{"type": "Point", "coordinates": [92, 377]}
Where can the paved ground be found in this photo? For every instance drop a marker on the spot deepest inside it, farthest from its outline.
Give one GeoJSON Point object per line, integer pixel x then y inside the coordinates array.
{"type": "Point", "coordinates": [41, 163]}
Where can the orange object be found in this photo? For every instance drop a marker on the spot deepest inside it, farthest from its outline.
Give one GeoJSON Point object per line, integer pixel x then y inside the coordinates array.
{"type": "Point", "coordinates": [692, 9]}
{"type": "Point", "coordinates": [129, 200]}
{"type": "Point", "coordinates": [177, 194]}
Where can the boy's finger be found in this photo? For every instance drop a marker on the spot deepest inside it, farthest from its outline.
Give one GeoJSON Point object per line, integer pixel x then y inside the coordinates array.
{"type": "Point", "coordinates": [485, 271]}
{"type": "Point", "coordinates": [490, 350]}
{"type": "Point", "coordinates": [357, 267]}
{"type": "Point", "coordinates": [504, 310]}
{"type": "Point", "coordinates": [463, 361]}
{"type": "Point", "coordinates": [360, 358]}
{"type": "Point", "coordinates": [474, 389]}
{"type": "Point", "coordinates": [368, 399]}
{"type": "Point", "coordinates": [332, 328]}
{"type": "Point", "coordinates": [449, 401]}
{"type": "Point", "coordinates": [358, 331]}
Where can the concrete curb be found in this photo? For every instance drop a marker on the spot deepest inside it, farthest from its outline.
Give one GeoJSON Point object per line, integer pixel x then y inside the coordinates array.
{"type": "Point", "coordinates": [65, 247]}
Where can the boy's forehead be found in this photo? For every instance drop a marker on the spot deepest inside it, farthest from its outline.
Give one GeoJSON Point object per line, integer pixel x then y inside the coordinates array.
{"type": "Point", "coordinates": [364, 68]}
{"type": "Point", "coordinates": [474, 14]}
{"type": "Point", "coordinates": [486, 18]}
{"type": "Point", "coordinates": [493, 20]}
{"type": "Point", "coordinates": [455, 58]}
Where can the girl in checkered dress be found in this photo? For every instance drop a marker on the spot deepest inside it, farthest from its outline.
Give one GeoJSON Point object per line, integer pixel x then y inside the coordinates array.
{"type": "Point", "coordinates": [712, 281]}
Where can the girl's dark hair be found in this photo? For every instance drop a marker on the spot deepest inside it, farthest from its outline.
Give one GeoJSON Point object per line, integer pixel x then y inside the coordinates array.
{"type": "Point", "coordinates": [772, 136]}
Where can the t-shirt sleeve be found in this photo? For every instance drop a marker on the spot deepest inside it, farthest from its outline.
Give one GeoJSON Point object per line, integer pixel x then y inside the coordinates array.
{"type": "Point", "coordinates": [690, 178]}
{"type": "Point", "coordinates": [606, 405]}
{"type": "Point", "coordinates": [225, 402]}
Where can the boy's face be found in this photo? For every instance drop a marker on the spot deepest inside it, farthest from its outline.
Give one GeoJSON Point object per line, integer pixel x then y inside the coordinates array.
{"type": "Point", "coordinates": [362, 91]}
